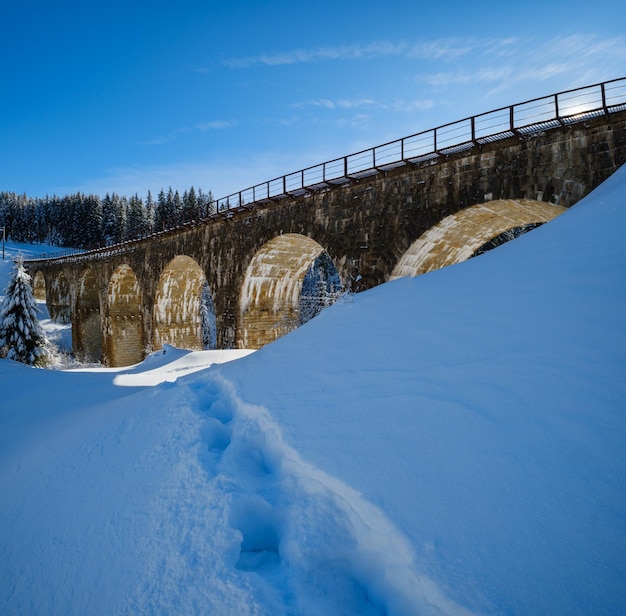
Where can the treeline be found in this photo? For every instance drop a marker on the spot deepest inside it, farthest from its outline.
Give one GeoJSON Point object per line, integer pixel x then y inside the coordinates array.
{"type": "Point", "coordinates": [87, 221]}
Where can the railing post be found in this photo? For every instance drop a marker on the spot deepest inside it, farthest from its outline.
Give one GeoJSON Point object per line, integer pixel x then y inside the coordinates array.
{"type": "Point", "coordinates": [556, 108]}
{"type": "Point", "coordinates": [512, 118]}
{"type": "Point", "coordinates": [604, 105]}
{"type": "Point", "coordinates": [345, 166]}
{"type": "Point", "coordinates": [473, 125]}
{"type": "Point", "coordinates": [435, 140]}
{"type": "Point", "coordinates": [284, 184]}
{"type": "Point", "coordinates": [556, 105]}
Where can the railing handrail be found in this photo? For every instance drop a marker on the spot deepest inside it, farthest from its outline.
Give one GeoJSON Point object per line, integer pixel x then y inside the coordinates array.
{"type": "Point", "coordinates": [470, 139]}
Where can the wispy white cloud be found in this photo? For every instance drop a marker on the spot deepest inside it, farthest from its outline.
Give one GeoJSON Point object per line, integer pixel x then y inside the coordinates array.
{"type": "Point", "coordinates": [579, 58]}
{"type": "Point", "coordinates": [575, 53]}
{"type": "Point", "coordinates": [176, 133]}
{"type": "Point", "coordinates": [216, 125]}
{"type": "Point", "coordinates": [414, 105]}
{"type": "Point", "coordinates": [166, 138]}
{"type": "Point", "coordinates": [157, 140]}
{"type": "Point", "coordinates": [499, 48]}
{"type": "Point", "coordinates": [574, 60]}
{"type": "Point", "coordinates": [585, 46]}
{"type": "Point", "coordinates": [328, 103]}
{"type": "Point", "coordinates": [320, 54]}
{"type": "Point", "coordinates": [358, 121]}
{"type": "Point", "coordinates": [440, 49]}
{"type": "Point", "coordinates": [399, 105]}
{"type": "Point", "coordinates": [446, 49]}
{"type": "Point", "coordinates": [454, 78]}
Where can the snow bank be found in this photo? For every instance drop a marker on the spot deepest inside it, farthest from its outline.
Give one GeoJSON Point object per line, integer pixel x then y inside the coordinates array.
{"type": "Point", "coordinates": [168, 364]}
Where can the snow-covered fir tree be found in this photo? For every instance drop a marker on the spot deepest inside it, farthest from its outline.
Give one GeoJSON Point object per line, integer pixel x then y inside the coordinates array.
{"type": "Point", "coordinates": [206, 204]}
{"type": "Point", "coordinates": [21, 336]}
{"type": "Point", "coordinates": [321, 288]}
{"type": "Point", "coordinates": [150, 205]}
{"type": "Point", "coordinates": [112, 220]}
{"type": "Point", "coordinates": [136, 219]}
{"type": "Point", "coordinates": [191, 210]}
{"type": "Point", "coordinates": [162, 211]}
{"type": "Point", "coordinates": [207, 318]}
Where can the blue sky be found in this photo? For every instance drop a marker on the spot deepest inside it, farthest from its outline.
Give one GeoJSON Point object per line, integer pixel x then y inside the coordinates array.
{"type": "Point", "coordinates": [130, 96]}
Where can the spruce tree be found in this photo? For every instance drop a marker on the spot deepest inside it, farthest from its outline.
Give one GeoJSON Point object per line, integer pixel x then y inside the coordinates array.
{"type": "Point", "coordinates": [161, 212]}
{"type": "Point", "coordinates": [208, 204]}
{"type": "Point", "coordinates": [150, 207]}
{"type": "Point", "coordinates": [136, 218]}
{"type": "Point", "coordinates": [21, 336]}
{"type": "Point", "coordinates": [191, 207]}
{"type": "Point", "coordinates": [112, 220]}
{"type": "Point", "coordinates": [177, 209]}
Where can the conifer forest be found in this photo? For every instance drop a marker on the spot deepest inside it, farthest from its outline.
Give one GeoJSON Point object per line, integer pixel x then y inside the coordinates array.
{"type": "Point", "coordinates": [88, 221]}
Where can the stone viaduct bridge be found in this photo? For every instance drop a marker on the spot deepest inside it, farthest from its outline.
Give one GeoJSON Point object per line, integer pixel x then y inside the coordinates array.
{"type": "Point", "coordinates": [403, 208]}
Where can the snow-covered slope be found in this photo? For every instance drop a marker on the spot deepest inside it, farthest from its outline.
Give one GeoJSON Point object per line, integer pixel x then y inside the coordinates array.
{"type": "Point", "coordinates": [452, 443]}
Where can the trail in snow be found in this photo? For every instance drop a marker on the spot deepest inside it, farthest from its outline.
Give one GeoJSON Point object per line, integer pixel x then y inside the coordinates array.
{"type": "Point", "coordinates": [285, 537]}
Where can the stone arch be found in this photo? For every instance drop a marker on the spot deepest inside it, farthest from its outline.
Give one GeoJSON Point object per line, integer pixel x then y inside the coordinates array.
{"type": "Point", "coordinates": [87, 326]}
{"type": "Point", "coordinates": [58, 299]}
{"type": "Point", "coordinates": [178, 306]}
{"type": "Point", "coordinates": [39, 286]}
{"type": "Point", "coordinates": [458, 236]}
{"type": "Point", "coordinates": [270, 296]}
{"type": "Point", "coordinates": [124, 331]}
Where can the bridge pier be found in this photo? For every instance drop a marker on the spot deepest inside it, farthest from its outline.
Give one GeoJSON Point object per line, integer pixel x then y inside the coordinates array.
{"type": "Point", "coordinates": [87, 322]}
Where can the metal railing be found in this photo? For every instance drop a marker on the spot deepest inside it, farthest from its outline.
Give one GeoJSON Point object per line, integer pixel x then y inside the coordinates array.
{"type": "Point", "coordinates": [538, 114]}
{"type": "Point", "coordinates": [424, 148]}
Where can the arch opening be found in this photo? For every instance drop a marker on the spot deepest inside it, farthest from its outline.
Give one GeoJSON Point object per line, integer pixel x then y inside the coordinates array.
{"type": "Point", "coordinates": [87, 328]}
{"type": "Point", "coordinates": [39, 287]}
{"type": "Point", "coordinates": [184, 312]}
{"type": "Point", "coordinates": [208, 318]}
{"type": "Point", "coordinates": [58, 300]}
{"type": "Point", "coordinates": [271, 298]}
{"type": "Point", "coordinates": [461, 235]}
{"type": "Point", "coordinates": [125, 335]}
{"type": "Point", "coordinates": [321, 287]}
{"type": "Point", "coordinates": [503, 238]}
